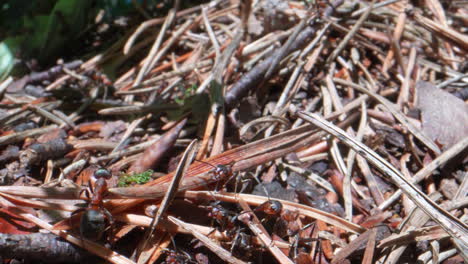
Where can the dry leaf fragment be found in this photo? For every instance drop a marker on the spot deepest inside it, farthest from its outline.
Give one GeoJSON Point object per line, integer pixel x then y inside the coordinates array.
{"type": "Point", "coordinates": [444, 116]}
{"type": "Point", "coordinates": [154, 153]}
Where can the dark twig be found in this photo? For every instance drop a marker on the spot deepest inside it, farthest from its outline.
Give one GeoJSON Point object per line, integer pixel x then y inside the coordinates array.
{"type": "Point", "coordinates": [39, 247]}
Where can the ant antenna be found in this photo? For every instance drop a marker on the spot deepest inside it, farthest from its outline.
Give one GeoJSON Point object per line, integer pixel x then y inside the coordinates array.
{"type": "Point", "coordinates": [201, 161]}
{"type": "Point", "coordinates": [173, 242]}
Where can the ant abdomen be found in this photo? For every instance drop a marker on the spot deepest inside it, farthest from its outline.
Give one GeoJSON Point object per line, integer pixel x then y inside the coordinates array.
{"type": "Point", "coordinates": [93, 224]}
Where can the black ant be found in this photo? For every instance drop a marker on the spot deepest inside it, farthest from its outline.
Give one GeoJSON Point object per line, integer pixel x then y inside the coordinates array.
{"type": "Point", "coordinates": [93, 219]}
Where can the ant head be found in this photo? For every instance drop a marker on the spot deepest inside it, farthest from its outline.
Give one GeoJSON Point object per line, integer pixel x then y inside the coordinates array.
{"type": "Point", "coordinates": [102, 173]}
{"type": "Point", "coordinates": [274, 207]}
{"type": "Point", "coordinates": [220, 170]}
{"type": "Point", "coordinates": [217, 213]}
{"type": "Point", "coordinates": [270, 207]}
{"type": "Point", "coordinates": [223, 170]}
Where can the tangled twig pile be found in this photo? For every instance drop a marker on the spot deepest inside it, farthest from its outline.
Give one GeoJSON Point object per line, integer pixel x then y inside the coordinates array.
{"type": "Point", "coordinates": [377, 174]}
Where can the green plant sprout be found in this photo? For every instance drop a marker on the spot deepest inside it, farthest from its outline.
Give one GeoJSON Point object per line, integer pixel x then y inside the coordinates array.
{"type": "Point", "coordinates": [139, 178]}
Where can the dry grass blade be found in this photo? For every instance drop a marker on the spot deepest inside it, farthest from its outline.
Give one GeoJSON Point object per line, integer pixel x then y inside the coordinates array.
{"type": "Point", "coordinates": [38, 204]}
{"type": "Point", "coordinates": [457, 229]}
{"type": "Point", "coordinates": [215, 248]}
{"type": "Point", "coordinates": [41, 192]}
{"type": "Point", "coordinates": [184, 163]}
{"type": "Point", "coordinates": [444, 31]}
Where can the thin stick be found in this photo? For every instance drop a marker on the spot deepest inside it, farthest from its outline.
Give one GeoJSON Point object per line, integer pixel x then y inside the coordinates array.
{"type": "Point", "coordinates": [405, 86]}
{"type": "Point", "coordinates": [281, 53]}
{"type": "Point", "coordinates": [211, 34]}
{"type": "Point", "coordinates": [19, 136]}
{"type": "Point", "coordinates": [184, 163]}
{"type": "Point", "coordinates": [154, 48]}
{"type": "Point", "coordinates": [350, 34]}
{"type": "Point", "coordinates": [399, 28]}
{"type": "Point", "coordinates": [350, 163]}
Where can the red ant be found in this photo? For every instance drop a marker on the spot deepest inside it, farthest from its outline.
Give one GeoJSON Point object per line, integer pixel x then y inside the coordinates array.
{"type": "Point", "coordinates": [284, 220]}
{"type": "Point", "coordinates": [242, 242]}
{"type": "Point", "coordinates": [222, 216]}
{"type": "Point", "coordinates": [221, 171]}
{"type": "Point", "coordinates": [93, 219]}
{"type": "Point", "coordinates": [270, 207]}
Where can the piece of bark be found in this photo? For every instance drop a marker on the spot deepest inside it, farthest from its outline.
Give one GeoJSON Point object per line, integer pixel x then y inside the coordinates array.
{"type": "Point", "coordinates": [42, 247]}
{"type": "Point", "coordinates": [39, 152]}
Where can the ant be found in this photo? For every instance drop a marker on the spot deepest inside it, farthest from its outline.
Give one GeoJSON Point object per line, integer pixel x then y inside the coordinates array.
{"type": "Point", "coordinates": [93, 219]}
{"type": "Point", "coordinates": [270, 207]}
{"type": "Point", "coordinates": [221, 171]}
{"type": "Point", "coordinates": [284, 220]}
{"type": "Point", "coordinates": [242, 242]}
{"type": "Point", "coordinates": [221, 215]}
{"type": "Point", "coordinates": [226, 220]}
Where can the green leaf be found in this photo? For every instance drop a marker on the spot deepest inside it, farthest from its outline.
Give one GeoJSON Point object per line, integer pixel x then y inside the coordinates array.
{"type": "Point", "coordinates": [216, 93]}
{"type": "Point", "coordinates": [6, 61]}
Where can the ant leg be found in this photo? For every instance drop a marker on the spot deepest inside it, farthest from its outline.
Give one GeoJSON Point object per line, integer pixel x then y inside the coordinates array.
{"type": "Point", "coordinates": [87, 193]}
{"type": "Point", "coordinates": [70, 219]}
{"type": "Point", "coordinates": [318, 251]}
{"type": "Point", "coordinates": [111, 225]}
{"type": "Point", "coordinates": [235, 239]}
